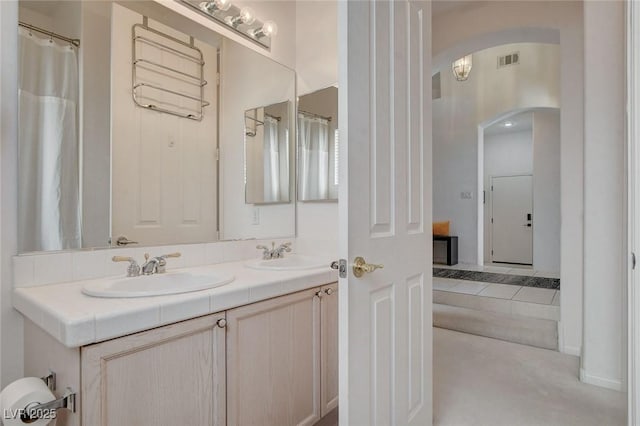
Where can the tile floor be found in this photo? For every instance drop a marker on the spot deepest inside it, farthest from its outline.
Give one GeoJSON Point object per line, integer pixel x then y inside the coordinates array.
{"type": "Point", "coordinates": [536, 303]}
{"type": "Point", "coordinates": [541, 296]}
{"type": "Point", "coordinates": [501, 269]}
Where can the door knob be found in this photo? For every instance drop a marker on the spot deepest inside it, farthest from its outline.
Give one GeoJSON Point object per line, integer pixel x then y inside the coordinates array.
{"type": "Point", "coordinates": [124, 241]}
{"type": "Point", "coordinates": [360, 267]}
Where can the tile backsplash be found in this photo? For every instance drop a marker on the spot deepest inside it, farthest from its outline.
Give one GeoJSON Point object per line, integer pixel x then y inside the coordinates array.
{"type": "Point", "coordinates": [30, 270]}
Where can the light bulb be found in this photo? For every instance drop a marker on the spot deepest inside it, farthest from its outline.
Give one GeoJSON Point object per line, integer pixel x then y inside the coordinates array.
{"type": "Point", "coordinates": [268, 29]}
{"type": "Point", "coordinates": [247, 16]}
{"type": "Point", "coordinates": [215, 5]}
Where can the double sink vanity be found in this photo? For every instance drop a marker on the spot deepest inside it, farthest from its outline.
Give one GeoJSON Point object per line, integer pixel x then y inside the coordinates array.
{"type": "Point", "coordinates": [260, 346]}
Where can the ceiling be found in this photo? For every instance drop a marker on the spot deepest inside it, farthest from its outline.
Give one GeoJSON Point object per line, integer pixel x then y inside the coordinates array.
{"type": "Point", "coordinates": [43, 7]}
{"type": "Point", "coordinates": [444, 6]}
{"type": "Point", "coordinates": [520, 123]}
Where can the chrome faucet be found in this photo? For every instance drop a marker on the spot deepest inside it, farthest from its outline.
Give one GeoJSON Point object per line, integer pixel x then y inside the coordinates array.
{"type": "Point", "coordinates": [133, 270]}
{"type": "Point", "coordinates": [156, 265]}
{"type": "Point", "coordinates": [274, 252]}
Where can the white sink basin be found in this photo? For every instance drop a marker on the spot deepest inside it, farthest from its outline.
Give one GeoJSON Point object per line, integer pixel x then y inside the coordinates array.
{"type": "Point", "coordinates": [292, 262]}
{"type": "Point", "coordinates": [156, 285]}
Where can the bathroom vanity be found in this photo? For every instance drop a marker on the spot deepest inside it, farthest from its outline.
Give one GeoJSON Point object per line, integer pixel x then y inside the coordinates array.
{"type": "Point", "coordinates": [264, 360]}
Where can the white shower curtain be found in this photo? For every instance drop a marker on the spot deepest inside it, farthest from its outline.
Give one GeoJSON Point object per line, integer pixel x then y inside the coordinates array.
{"type": "Point", "coordinates": [313, 143]}
{"type": "Point", "coordinates": [48, 177]}
{"type": "Point", "coordinates": [271, 160]}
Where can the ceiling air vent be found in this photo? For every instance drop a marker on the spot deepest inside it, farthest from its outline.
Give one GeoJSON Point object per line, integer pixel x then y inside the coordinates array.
{"type": "Point", "coordinates": [436, 86]}
{"type": "Point", "coordinates": [510, 59]}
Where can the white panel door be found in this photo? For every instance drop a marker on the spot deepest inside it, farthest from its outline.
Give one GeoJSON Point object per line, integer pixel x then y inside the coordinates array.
{"type": "Point", "coordinates": [385, 212]}
{"type": "Point", "coordinates": [512, 221]}
{"type": "Point", "coordinates": [164, 168]}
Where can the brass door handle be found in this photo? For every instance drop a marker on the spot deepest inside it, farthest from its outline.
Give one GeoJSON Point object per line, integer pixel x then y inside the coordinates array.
{"type": "Point", "coordinates": [360, 267]}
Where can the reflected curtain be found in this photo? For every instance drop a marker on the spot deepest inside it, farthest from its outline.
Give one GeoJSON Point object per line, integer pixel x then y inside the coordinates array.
{"type": "Point", "coordinates": [313, 143]}
{"type": "Point", "coordinates": [271, 160]}
{"type": "Point", "coordinates": [48, 177]}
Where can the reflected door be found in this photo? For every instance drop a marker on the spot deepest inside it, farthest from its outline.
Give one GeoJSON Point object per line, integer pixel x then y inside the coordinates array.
{"type": "Point", "coordinates": [512, 221]}
{"type": "Point", "coordinates": [164, 178]}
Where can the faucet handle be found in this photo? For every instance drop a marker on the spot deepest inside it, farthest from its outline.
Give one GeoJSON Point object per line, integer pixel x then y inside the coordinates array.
{"type": "Point", "coordinates": [133, 270]}
{"type": "Point", "coordinates": [166, 256]}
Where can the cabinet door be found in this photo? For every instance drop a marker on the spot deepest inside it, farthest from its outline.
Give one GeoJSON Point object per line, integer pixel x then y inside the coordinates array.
{"type": "Point", "coordinates": [329, 349]}
{"type": "Point", "coordinates": [273, 362]}
{"type": "Point", "coordinates": [172, 375]}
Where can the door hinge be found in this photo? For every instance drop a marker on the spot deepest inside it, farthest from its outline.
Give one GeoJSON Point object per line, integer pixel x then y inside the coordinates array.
{"type": "Point", "coordinates": [492, 187]}
{"type": "Point", "coordinates": [217, 154]}
{"type": "Point", "coordinates": [491, 252]}
{"type": "Point", "coordinates": [218, 79]}
{"type": "Point", "coordinates": [633, 260]}
{"type": "Point", "coordinates": [491, 220]}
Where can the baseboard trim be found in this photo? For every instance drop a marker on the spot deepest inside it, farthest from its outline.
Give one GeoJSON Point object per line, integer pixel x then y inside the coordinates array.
{"type": "Point", "coordinates": [571, 350]}
{"type": "Point", "coordinates": [600, 381]}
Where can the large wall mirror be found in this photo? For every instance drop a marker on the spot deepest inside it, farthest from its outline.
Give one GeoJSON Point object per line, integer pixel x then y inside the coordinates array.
{"type": "Point", "coordinates": [126, 136]}
{"type": "Point", "coordinates": [317, 149]}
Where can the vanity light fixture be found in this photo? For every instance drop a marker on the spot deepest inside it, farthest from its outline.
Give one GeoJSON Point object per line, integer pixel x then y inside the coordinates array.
{"type": "Point", "coordinates": [242, 20]}
{"type": "Point", "coordinates": [462, 67]}
{"type": "Point", "coordinates": [213, 6]}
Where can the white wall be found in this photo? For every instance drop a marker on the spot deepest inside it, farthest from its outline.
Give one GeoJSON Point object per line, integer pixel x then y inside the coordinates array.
{"type": "Point", "coordinates": [11, 323]}
{"type": "Point", "coordinates": [95, 86]}
{"type": "Point", "coordinates": [505, 154]}
{"type": "Point", "coordinates": [316, 45]}
{"type": "Point", "coordinates": [317, 68]}
{"type": "Point", "coordinates": [546, 190]}
{"type": "Point", "coordinates": [243, 75]}
{"type": "Point", "coordinates": [483, 24]}
{"type": "Point", "coordinates": [283, 48]}
{"type": "Point", "coordinates": [604, 351]}
{"type": "Point", "coordinates": [487, 93]}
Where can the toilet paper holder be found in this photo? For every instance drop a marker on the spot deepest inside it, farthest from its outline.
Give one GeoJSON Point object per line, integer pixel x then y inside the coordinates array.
{"type": "Point", "coordinates": [68, 400]}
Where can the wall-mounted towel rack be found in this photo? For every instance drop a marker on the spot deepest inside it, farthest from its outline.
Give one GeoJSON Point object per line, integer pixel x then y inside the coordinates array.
{"type": "Point", "coordinates": [176, 49]}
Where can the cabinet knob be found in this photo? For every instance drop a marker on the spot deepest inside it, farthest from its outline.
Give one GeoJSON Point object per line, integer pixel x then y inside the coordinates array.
{"type": "Point", "coordinates": [222, 323]}
{"type": "Point", "coordinates": [329, 291]}
{"type": "Point", "coordinates": [319, 294]}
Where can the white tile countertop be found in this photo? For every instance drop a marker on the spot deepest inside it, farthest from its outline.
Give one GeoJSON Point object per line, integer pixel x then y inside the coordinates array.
{"type": "Point", "coordinates": [76, 319]}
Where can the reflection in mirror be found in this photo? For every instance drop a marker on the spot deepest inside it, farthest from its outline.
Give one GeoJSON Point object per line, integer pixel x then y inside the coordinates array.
{"type": "Point", "coordinates": [155, 156]}
{"type": "Point", "coordinates": [247, 207]}
{"type": "Point", "coordinates": [48, 148]}
{"type": "Point", "coordinates": [266, 153]}
{"type": "Point", "coordinates": [318, 145]}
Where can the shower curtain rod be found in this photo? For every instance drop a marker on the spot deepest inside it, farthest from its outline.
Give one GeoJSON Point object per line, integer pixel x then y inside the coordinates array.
{"type": "Point", "coordinates": [73, 41]}
{"type": "Point", "coordinates": [314, 115]}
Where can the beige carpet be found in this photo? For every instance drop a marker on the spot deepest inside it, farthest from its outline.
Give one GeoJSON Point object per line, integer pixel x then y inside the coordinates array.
{"type": "Point", "coordinates": [481, 381]}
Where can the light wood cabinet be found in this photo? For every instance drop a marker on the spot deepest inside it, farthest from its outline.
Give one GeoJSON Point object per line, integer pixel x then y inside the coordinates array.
{"type": "Point", "coordinates": [173, 375]}
{"type": "Point", "coordinates": [273, 361]}
{"type": "Point", "coordinates": [329, 349]}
